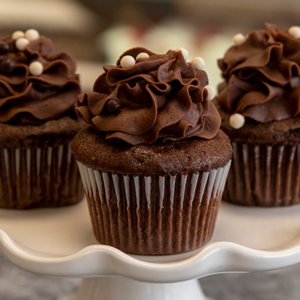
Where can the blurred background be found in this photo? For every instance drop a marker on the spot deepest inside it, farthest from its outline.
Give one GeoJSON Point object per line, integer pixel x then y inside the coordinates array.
{"type": "Point", "coordinates": [96, 32]}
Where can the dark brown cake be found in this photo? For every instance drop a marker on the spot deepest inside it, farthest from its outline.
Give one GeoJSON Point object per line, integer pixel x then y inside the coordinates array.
{"type": "Point", "coordinates": [261, 86]}
{"type": "Point", "coordinates": [52, 133]}
{"type": "Point", "coordinates": [153, 162]}
{"type": "Point", "coordinates": [284, 132]}
{"type": "Point", "coordinates": [38, 90]}
{"type": "Point", "coordinates": [162, 159]}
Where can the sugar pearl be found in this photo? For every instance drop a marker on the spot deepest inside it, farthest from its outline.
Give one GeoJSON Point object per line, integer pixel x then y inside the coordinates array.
{"type": "Point", "coordinates": [113, 106]}
{"type": "Point", "coordinates": [142, 55]}
{"type": "Point", "coordinates": [3, 48]}
{"type": "Point", "coordinates": [237, 120]}
{"type": "Point", "coordinates": [18, 34]}
{"type": "Point", "coordinates": [7, 65]}
{"type": "Point", "coordinates": [184, 52]}
{"type": "Point", "coordinates": [31, 34]}
{"type": "Point", "coordinates": [36, 68]}
{"type": "Point", "coordinates": [127, 61]}
{"type": "Point", "coordinates": [198, 63]}
{"type": "Point", "coordinates": [295, 82]}
{"type": "Point", "coordinates": [238, 39]}
{"type": "Point", "coordinates": [211, 92]}
{"type": "Point", "coordinates": [294, 31]}
{"type": "Point", "coordinates": [21, 44]}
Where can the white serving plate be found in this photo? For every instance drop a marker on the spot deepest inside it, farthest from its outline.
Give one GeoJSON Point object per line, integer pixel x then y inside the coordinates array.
{"type": "Point", "coordinates": [60, 242]}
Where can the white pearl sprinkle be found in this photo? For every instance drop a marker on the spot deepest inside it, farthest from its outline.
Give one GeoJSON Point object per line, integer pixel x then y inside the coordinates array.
{"type": "Point", "coordinates": [21, 44]}
{"type": "Point", "coordinates": [18, 34]}
{"type": "Point", "coordinates": [142, 55]}
{"type": "Point", "coordinates": [198, 63]}
{"type": "Point", "coordinates": [237, 120]}
{"type": "Point", "coordinates": [294, 31]}
{"type": "Point", "coordinates": [211, 92]}
{"type": "Point", "coordinates": [184, 52]}
{"type": "Point", "coordinates": [127, 61]}
{"type": "Point", "coordinates": [31, 34]}
{"type": "Point", "coordinates": [36, 68]}
{"type": "Point", "coordinates": [238, 39]}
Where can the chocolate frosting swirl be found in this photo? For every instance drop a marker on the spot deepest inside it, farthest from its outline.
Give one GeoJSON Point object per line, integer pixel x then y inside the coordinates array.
{"type": "Point", "coordinates": [262, 76]}
{"type": "Point", "coordinates": [161, 96]}
{"type": "Point", "coordinates": [28, 99]}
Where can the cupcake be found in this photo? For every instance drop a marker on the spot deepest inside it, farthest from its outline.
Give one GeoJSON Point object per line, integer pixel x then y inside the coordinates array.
{"type": "Point", "coordinates": [259, 102]}
{"type": "Point", "coordinates": [38, 90]}
{"type": "Point", "coordinates": [153, 161]}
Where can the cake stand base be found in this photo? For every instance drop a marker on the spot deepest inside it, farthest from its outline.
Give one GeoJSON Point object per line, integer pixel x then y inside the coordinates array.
{"type": "Point", "coordinates": [116, 288]}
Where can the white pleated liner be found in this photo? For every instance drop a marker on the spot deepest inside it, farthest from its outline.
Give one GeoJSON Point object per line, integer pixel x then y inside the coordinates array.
{"type": "Point", "coordinates": [99, 186]}
{"type": "Point", "coordinates": [263, 175]}
{"type": "Point", "coordinates": [93, 183]}
{"type": "Point", "coordinates": [17, 155]}
{"type": "Point", "coordinates": [22, 175]}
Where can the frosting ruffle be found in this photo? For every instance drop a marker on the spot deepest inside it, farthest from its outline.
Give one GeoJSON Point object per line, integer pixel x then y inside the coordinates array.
{"type": "Point", "coordinates": [29, 99]}
{"type": "Point", "coordinates": [161, 96]}
{"type": "Point", "coordinates": [262, 76]}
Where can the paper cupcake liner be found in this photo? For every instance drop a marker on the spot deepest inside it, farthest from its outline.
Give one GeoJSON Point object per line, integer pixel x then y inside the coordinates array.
{"type": "Point", "coordinates": [153, 215]}
{"type": "Point", "coordinates": [264, 175]}
{"type": "Point", "coordinates": [42, 177]}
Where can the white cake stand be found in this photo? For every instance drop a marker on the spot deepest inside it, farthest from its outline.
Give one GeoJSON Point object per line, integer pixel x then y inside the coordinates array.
{"type": "Point", "coordinates": [60, 242]}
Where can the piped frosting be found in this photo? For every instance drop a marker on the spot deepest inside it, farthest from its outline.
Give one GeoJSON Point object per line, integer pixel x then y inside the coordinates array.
{"type": "Point", "coordinates": [262, 76]}
{"type": "Point", "coordinates": [159, 96]}
{"type": "Point", "coordinates": [36, 84]}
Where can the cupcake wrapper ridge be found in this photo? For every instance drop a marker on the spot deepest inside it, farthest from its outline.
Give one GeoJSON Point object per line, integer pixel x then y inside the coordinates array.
{"type": "Point", "coordinates": [42, 177]}
{"type": "Point", "coordinates": [155, 214]}
{"type": "Point", "coordinates": [263, 175]}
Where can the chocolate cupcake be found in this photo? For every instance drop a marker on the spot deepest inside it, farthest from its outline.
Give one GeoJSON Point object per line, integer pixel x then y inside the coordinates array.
{"type": "Point", "coordinates": [153, 161]}
{"type": "Point", "coordinates": [259, 102]}
{"type": "Point", "coordinates": [38, 90]}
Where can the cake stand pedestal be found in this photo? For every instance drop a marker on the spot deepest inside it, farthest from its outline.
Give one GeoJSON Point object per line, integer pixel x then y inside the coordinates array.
{"type": "Point", "coordinates": [60, 242]}
{"type": "Point", "coordinates": [128, 289]}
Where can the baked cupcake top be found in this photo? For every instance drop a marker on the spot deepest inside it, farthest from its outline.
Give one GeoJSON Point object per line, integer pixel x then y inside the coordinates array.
{"type": "Point", "coordinates": [261, 77]}
{"type": "Point", "coordinates": [148, 96]}
{"type": "Point", "coordinates": [160, 158]}
{"type": "Point", "coordinates": [36, 85]}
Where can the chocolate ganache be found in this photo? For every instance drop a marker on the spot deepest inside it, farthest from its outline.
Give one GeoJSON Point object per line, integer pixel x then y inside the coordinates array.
{"type": "Point", "coordinates": [156, 96]}
{"type": "Point", "coordinates": [262, 76]}
{"type": "Point", "coordinates": [36, 84]}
